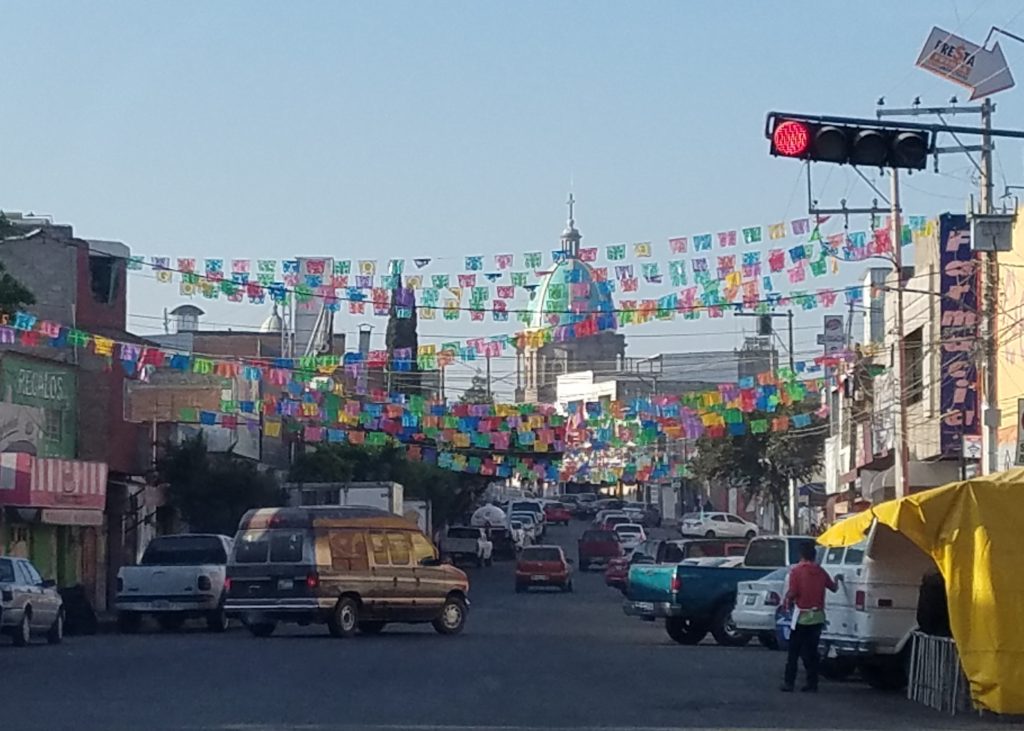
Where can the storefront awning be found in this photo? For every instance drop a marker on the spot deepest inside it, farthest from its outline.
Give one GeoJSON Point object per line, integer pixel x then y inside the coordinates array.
{"type": "Point", "coordinates": [47, 482]}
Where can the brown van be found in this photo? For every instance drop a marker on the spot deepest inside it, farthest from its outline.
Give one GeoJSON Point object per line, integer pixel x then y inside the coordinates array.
{"type": "Point", "coordinates": [354, 568]}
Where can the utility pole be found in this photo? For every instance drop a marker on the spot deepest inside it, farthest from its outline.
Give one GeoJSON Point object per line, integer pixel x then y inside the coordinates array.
{"type": "Point", "coordinates": [992, 416]}
{"type": "Point", "coordinates": [489, 395]}
{"type": "Point", "coordinates": [792, 358]}
{"type": "Point", "coordinates": [900, 443]}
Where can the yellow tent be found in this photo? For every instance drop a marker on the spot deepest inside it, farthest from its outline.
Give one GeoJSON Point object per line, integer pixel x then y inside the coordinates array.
{"type": "Point", "coordinates": [974, 531]}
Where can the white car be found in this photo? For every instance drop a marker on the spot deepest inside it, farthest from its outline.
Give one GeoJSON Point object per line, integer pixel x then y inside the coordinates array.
{"type": "Point", "coordinates": [603, 515]}
{"type": "Point", "coordinates": [529, 523]}
{"type": "Point", "coordinates": [756, 604]}
{"type": "Point", "coordinates": [630, 535]}
{"type": "Point", "coordinates": [717, 525]}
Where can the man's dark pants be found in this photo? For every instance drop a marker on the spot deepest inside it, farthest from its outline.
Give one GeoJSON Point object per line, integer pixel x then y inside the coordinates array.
{"type": "Point", "coordinates": [803, 644]}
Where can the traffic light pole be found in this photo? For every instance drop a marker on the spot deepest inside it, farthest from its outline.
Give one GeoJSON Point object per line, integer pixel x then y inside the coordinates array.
{"type": "Point", "coordinates": [902, 461]}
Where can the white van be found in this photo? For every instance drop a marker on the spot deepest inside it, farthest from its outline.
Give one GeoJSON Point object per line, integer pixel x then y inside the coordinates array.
{"type": "Point", "coordinates": [869, 620]}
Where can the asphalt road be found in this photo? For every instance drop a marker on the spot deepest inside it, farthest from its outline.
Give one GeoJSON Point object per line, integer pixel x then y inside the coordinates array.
{"type": "Point", "coordinates": [541, 660]}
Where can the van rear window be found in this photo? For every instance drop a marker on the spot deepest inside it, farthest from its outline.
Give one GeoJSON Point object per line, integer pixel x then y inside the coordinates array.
{"type": "Point", "coordinates": [282, 546]}
{"type": "Point", "coordinates": [770, 552]}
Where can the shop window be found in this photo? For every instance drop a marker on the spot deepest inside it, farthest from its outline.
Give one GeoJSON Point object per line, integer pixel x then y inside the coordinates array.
{"type": "Point", "coordinates": [914, 350]}
{"type": "Point", "coordinates": [53, 424]}
{"type": "Point", "coordinates": [103, 278]}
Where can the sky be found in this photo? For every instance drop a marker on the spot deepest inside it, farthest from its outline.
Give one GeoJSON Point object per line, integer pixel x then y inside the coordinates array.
{"type": "Point", "coordinates": [405, 129]}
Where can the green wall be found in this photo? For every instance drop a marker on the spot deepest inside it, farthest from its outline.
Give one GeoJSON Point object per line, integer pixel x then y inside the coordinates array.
{"type": "Point", "coordinates": [50, 386]}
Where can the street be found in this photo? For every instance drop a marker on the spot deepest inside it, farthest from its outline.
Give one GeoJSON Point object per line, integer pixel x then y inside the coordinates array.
{"type": "Point", "coordinates": [539, 660]}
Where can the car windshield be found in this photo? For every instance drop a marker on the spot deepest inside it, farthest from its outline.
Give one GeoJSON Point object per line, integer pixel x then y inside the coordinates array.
{"type": "Point", "coordinates": [541, 553]}
{"type": "Point", "coordinates": [599, 536]}
{"type": "Point", "coordinates": [526, 518]}
{"type": "Point", "coordinates": [556, 506]}
{"type": "Point", "coordinates": [184, 551]}
{"type": "Point", "coordinates": [464, 533]}
{"type": "Point", "coordinates": [628, 529]}
{"type": "Point", "coordinates": [516, 525]}
{"type": "Point", "coordinates": [6, 571]}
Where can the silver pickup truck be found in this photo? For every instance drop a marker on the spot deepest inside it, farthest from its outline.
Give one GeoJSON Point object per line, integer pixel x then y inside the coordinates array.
{"type": "Point", "coordinates": [180, 577]}
{"type": "Point", "coordinates": [467, 543]}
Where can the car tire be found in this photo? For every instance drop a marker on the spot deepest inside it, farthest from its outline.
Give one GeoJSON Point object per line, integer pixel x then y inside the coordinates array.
{"type": "Point", "coordinates": [768, 640]}
{"type": "Point", "coordinates": [55, 635]}
{"type": "Point", "coordinates": [129, 623]}
{"type": "Point", "coordinates": [709, 534]}
{"type": "Point", "coordinates": [261, 629]}
{"type": "Point", "coordinates": [217, 620]}
{"type": "Point", "coordinates": [724, 629]}
{"type": "Point", "coordinates": [889, 674]}
{"type": "Point", "coordinates": [749, 534]}
{"type": "Point", "coordinates": [344, 619]}
{"type": "Point", "coordinates": [452, 618]}
{"type": "Point", "coordinates": [170, 622]}
{"type": "Point", "coordinates": [374, 627]}
{"type": "Point", "coordinates": [684, 631]}
{"type": "Point", "coordinates": [23, 632]}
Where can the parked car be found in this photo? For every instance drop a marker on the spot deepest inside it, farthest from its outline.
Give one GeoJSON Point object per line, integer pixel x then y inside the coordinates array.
{"type": "Point", "coordinates": [586, 505]}
{"type": "Point", "coordinates": [465, 543]}
{"type": "Point", "coordinates": [29, 603]}
{"type": "Point", "coordinates": [873, 613]}
{"type": "Point", "coordinates": [660, 551]}
{"type": "Point", "coordinates": [609, 503]}
{"type": "Point", "coordinates": [597, 547]}
{"type": "Point", "coordinates": [601, 515]}
{"type": "Point", "coordinates": [503, 544]}
{"type": "Point", "coordinates": [353, 568]}
{"type": "Point", "coordinates": [543, 566]}
{"type": "Point", "coordinates": [717, 525]}
{"type": "Point", "coordinates": [518, 532]}
{"type": "Point", "coordinates": [530, 506]}
{"type": "Point", "coordinates": [757, 603]}
{"type": "Point", "coordinates": [180, 577]}
{"type": "Point", "coordinates": [611, 521]}
{"type": "Point", "coordinates": [630, 535]}
{"type": "Point", "coordinates": [557, 512]}
{"type": "Point", "coordinates": [697, 599]}
{"type": "Point", "coordinates": [529, 523]}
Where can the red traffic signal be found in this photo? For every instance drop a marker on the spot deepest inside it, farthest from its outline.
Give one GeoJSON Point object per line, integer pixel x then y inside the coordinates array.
{"type": "Point", "coordinates": [810, 138]}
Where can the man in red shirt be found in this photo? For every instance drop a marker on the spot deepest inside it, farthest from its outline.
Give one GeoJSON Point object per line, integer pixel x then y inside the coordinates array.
{"type": "Point", "coordinates": [806, 600]}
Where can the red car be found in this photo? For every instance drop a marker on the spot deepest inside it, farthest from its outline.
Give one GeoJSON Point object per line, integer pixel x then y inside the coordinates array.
{"type": "Point", "coordinates": [543, 566]}
{"type": "Point", "coordinates": [597, 547]}
{"type": "Point", "coordinates": [557, 513]}
{"type": "Point", "coordinates": [617, 573]}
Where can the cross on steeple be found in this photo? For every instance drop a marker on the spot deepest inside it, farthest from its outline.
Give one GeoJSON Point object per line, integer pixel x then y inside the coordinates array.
{"type": "Point", "coordinates": [571, 203]}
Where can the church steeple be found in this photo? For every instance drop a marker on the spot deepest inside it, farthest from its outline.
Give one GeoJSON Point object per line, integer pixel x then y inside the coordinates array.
{"type": "Point", "coordinates": [571, 237]}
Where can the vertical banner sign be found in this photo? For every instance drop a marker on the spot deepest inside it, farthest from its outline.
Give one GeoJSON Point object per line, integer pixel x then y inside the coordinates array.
{"type": "Point", "coordinates": [1020, 432]}
{"type": "Point", "coordinates": [958, 334]}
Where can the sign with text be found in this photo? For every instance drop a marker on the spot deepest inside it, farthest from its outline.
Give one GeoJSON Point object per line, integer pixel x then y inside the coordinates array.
{"type": "Point", "coordinates": [958, 60]}
{"type": "Point", "coordinates": [958, 334]}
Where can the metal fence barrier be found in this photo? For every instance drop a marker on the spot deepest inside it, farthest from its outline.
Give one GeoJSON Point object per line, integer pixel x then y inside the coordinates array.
{"type": "Point", "coordinates": [936, 678]}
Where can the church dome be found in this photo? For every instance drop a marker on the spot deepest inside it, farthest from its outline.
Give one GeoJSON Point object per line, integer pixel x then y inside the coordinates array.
{"type": "Point", "coordinates": [273, 323]}
{"type": "Point", "coordinates": [570, 293]}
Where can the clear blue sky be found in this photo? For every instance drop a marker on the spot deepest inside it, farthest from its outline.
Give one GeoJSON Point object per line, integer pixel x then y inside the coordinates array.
{"type": "Point", "coordinates": [258, 129]}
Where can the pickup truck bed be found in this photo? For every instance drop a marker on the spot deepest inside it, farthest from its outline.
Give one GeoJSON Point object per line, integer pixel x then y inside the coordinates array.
{"type": "Point", "coordinates": [693, 600]}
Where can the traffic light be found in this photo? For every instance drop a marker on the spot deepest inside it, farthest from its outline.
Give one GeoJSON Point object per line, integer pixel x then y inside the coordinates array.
{"type": "Point", "coordinates": [855, 142]}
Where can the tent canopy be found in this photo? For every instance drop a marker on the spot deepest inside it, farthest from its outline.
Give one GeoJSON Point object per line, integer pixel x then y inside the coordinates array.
{"type": "Point", "coordinates": [973, 532]}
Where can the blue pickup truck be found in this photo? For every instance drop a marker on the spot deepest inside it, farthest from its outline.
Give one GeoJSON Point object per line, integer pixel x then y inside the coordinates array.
{"type": "Point", "coordinates": [695, 599]}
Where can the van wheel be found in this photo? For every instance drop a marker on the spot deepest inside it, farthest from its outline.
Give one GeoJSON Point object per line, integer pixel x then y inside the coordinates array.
{"type": "Point", "coordinates": [55, 635]}
{"type": "Point", "coordinates": [771, 641]}
{"type": "Point", "coordinates": [749, 534]}
{"type": "Point", "coordinates": [262, 629]}
{"type": "Point", "coordinates": [685, 631]}
{"type": "Point", "coordinates": [452, 618]}
{"type": "Point", "coordinates": [890, 675]}
{"type": "Point", "coordinates": [709, 534]}
{"type": "Point", "coordinates": [724, 629]}
{"type": "Point", "coordinates": [371, 628]}
{"type": "Point", "coordinates": [344, 620]}
{"type": "Point", "coordinates": [129, 622]}
{"type": "Point", "coordinates": [23, 632]}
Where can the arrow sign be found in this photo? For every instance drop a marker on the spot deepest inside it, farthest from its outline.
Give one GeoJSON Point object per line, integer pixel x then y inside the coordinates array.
{"type": "Point", "coordinates": [958, 60]}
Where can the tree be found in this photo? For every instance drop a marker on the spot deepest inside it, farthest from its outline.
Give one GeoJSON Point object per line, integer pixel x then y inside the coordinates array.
{"type": "Point", "coordinates": [450, 493]}
{"type": "Point", "coordinates": [477, 393]}
{"type": "Point", "coordinates": [14, 295]}
{"type": "Point", "coordinates": [211, 492]}
{"type": "Point", "coordinates": [762, 464]}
